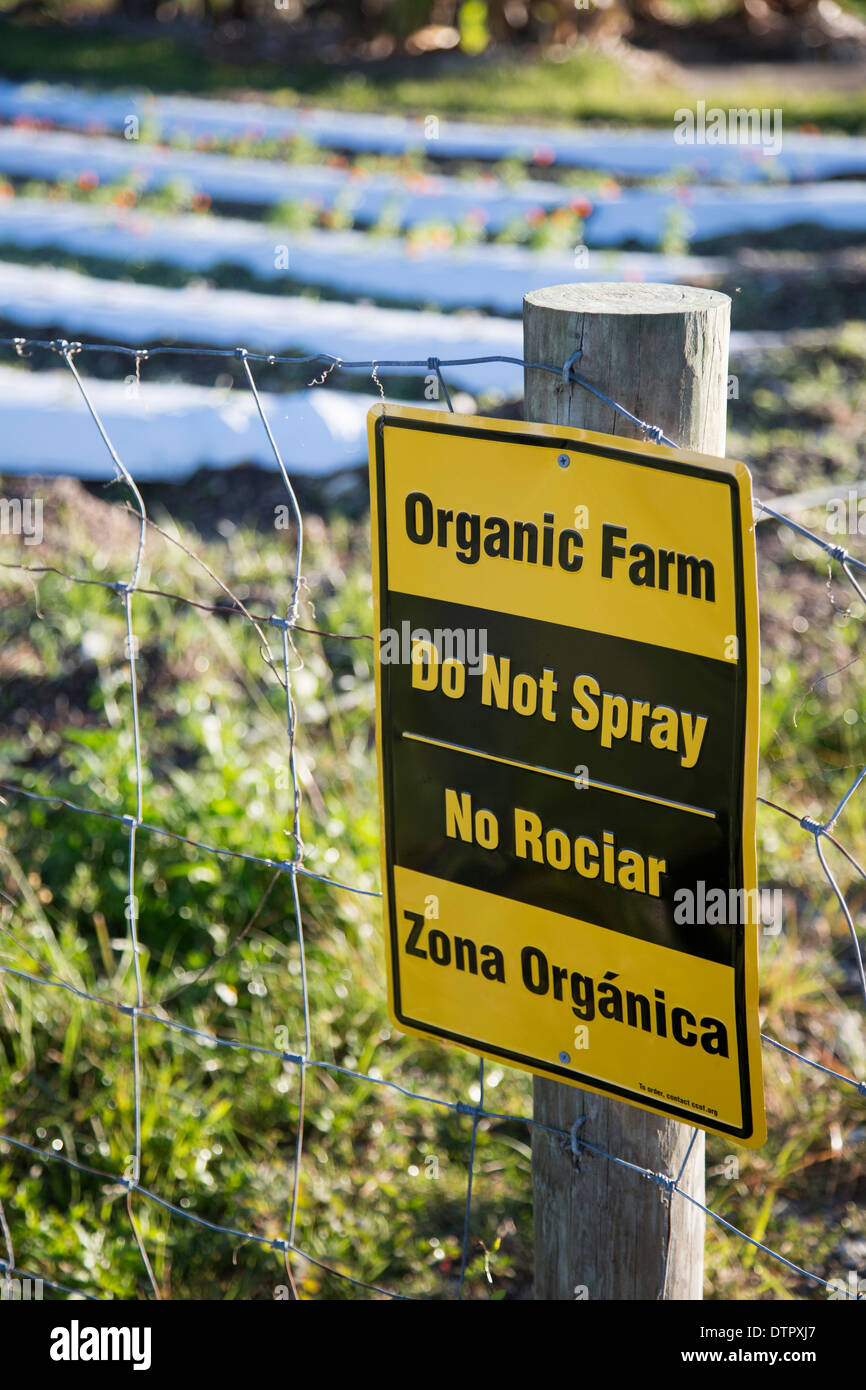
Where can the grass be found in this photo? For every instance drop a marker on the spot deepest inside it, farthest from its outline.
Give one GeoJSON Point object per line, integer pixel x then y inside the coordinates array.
{"type": "Point", "coordinates": [218, 1126]}
{"type": "Point", "coordinates": [583, 86]}
{"type": "Point", "coordinates": [384, 1176]}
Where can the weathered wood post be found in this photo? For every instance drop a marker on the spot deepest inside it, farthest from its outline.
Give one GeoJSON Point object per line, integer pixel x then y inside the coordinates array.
{"type": "Point", "coordinates": [662, 352]}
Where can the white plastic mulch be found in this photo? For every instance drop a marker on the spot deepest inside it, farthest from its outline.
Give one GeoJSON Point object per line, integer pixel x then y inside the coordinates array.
{"type": "Point", "coordinates": [167, 431]}
{"type": "Point", "coordinates": [614, 215]}
{"type": "Point", "coordinates": [473, 276]}
{"type": "Point", "coordinates": [624, 153]}
{"type": "Point", "coordinates": [40, 298]}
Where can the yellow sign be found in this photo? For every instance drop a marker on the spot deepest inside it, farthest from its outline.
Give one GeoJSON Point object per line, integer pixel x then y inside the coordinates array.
{"type": "Point", "coordinates": [567, 728]}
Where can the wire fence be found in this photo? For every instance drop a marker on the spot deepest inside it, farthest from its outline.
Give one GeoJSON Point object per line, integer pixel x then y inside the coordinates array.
{"type": "Point", "coordinates": [143, 1012]}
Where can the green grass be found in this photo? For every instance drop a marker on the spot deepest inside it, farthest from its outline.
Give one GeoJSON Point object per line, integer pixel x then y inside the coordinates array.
{"type": "Point", "coordinates": [219, 1125]}
{"type": "Point", "coordinates": [586, 86]}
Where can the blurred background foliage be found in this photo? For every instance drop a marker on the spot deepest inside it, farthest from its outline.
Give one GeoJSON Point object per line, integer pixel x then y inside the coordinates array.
{"type": "Point", "coordinates": [415, 27]}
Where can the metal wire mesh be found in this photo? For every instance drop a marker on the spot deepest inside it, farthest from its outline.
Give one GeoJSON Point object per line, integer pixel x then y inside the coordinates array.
{"type": "Point", "coordinates": [141, 1013]}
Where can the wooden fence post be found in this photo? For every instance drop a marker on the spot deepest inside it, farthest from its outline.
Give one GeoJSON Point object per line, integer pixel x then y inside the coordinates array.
{"type": "Point", "coordinates": [603, 1231]}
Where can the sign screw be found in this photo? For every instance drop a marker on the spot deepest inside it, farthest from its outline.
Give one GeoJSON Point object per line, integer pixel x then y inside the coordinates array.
{"type": "Point", "coordinates": [563, 460]}
{"type": "Point", "coordinates": [564, 1057]}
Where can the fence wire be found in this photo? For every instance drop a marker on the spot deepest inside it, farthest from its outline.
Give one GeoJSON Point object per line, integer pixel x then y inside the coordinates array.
{"type": "Point", "coordinates": [143, 1012]}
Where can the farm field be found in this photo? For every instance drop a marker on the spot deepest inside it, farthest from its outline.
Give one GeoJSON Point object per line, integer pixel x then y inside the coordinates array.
{"type": "Point", "coordinates": [303, 232]}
